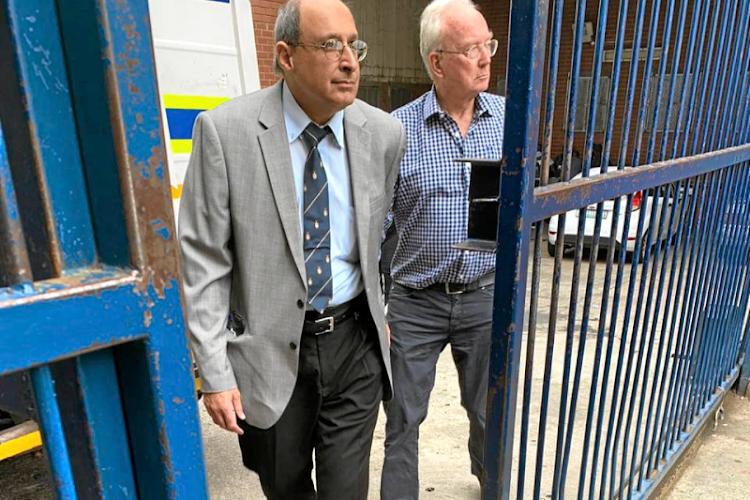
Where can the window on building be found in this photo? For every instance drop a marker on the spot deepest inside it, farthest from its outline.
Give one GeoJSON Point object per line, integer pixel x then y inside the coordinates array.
{"type": "Point", "coordinates": [583, 103]}
{"type": "Point", "coordinates": [680, 89]}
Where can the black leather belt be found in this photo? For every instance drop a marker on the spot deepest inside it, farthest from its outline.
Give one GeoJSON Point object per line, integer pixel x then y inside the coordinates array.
{"type": "Point", "coordinates": [319, 323]}
{"type": "Point", "coordinates": [456, 288]}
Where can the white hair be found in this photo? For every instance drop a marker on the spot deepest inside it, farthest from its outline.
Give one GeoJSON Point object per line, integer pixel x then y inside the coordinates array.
{"type": "Point", "coordinates": [430, 26]}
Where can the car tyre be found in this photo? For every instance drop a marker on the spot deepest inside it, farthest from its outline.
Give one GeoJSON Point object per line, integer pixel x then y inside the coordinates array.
{"type": "Point", "coordinates": [551, 249]}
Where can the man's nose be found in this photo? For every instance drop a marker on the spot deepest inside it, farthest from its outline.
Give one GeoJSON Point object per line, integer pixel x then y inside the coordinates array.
{"type": "Point", "coordinates": [348, 61]}
{"type": "Point", "coordinates": [485, 57]}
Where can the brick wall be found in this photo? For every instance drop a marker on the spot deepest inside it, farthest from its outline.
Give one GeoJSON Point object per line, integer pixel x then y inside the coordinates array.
{"type": "Point", "coordinates": [264, 17]}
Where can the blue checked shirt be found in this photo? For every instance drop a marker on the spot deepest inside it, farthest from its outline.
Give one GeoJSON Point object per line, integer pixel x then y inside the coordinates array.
{"type": "Point", "coordinates": [431, 201]}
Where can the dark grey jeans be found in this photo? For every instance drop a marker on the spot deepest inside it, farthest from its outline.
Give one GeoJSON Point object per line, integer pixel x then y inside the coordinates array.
{"type": "Point", "coordinates": [422, 323]}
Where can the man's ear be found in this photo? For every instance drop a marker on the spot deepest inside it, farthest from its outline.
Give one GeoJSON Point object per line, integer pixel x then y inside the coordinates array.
{"type": "Point", "coordinates": [435, 64]}
{"type": "Point", "coordinates": [284, 56]}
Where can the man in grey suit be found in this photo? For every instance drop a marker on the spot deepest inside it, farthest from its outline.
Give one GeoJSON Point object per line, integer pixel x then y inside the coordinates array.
{"type": "Point", "coordinates": [280, 227]}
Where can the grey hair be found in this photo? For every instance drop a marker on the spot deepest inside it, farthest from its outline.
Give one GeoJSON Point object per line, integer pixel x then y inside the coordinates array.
{"type": "Point", "coordinates": [286, 29]}
{"type": "Point", "coordinates": [430, 27]}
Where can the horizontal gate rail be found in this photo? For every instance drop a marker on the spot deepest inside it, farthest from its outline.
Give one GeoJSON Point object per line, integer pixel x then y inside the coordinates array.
{"type": "Point", "coordinates": [562, 197]}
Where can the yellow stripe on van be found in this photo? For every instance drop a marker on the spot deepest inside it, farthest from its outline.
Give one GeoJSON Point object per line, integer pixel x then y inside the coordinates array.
{"type": "Point", "coordinates": [179, 146]}
{"type": "Point", "coordinates": [173, 101]}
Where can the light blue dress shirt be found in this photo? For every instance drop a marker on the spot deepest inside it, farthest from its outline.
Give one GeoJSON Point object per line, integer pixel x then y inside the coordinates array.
{"type": "Point", "coordinates": [347, 275]}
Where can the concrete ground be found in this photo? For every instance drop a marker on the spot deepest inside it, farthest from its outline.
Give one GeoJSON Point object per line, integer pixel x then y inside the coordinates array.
{"type": "Point", "coordinates": [720, 469]}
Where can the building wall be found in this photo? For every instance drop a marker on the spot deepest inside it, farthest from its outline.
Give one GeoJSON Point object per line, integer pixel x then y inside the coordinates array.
{"type": "Point", "coordinates": [264, 17]}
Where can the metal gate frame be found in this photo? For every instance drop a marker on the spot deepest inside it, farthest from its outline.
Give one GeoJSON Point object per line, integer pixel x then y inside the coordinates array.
{"type": "Point", "coordinates": [721, 159]}
{"type": "Point", "coordinates": [92, 303]}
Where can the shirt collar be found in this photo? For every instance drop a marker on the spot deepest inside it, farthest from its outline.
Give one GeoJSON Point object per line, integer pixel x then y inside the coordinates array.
{"type": "Point", "coordinates": [297, 120]}
{"type": "Point", "coordinates": [432, 106]}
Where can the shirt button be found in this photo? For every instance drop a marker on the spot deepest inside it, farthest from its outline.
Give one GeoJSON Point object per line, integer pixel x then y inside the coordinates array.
{"type": "Point", "coordinates": [292, 346]}
{"type": "Point", "coordinates": [300, 304]}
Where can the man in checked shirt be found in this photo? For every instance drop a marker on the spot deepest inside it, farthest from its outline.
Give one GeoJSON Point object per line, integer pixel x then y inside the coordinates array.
{"type": "Point", "coordinates": [440, 295]}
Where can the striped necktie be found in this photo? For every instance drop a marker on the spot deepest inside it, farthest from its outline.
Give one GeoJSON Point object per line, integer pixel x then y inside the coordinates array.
{"type": "Point", "coordinates": [317, 228]}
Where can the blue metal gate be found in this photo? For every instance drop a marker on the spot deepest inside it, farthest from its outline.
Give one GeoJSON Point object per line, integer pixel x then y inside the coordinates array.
{"type": "Point", "coordinates": [90, 304]}
{"type": "Point", "coordinates": [602, 386]}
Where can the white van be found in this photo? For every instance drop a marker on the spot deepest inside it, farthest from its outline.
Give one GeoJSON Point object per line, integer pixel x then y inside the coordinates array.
{"type": "Point", "coordinates": [205, 55]}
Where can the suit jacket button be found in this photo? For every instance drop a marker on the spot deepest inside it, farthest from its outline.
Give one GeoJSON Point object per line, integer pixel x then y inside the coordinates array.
{"type": "Point", "coordinates": [292, 345]}
{"type": "Point", "coordinates": [300, 304]}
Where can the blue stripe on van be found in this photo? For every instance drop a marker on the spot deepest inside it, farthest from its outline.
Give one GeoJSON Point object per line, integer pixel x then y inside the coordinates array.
{"type": "Point", "coordinates": [180, 122]}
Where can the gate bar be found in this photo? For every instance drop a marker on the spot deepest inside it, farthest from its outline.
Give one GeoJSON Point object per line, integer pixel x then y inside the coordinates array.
{"type": "Point", "coordinates": [528, 31]}
{"type": "Point", "coordinates": [14, 260]}
{"type": "Point", "coordinates": [41, 67]}
{"type": "Point", "coordinates": [52, 432]}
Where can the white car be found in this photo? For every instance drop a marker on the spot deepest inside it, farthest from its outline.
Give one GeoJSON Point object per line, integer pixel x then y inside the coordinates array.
{"type": "Point", "coordinates": [641, 205]}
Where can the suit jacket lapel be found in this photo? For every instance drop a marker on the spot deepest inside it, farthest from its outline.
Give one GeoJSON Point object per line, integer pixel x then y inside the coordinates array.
{"type": "Point", "coordinates": [358, 152]}
{"type": "Point", "coordinates": [278, 161]}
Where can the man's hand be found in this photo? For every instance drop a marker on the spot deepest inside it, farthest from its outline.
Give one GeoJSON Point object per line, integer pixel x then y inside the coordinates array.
{"type": "Point", "coordinates": [388, 333]}
{"type": "Point", "coordinates": [225, 408]}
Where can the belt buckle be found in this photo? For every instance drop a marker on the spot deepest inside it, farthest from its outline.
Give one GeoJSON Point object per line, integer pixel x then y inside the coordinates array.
{"type": "Point", "coordinates": [457, 292]}
{"type": "Point", "coordinates": [327, 319]}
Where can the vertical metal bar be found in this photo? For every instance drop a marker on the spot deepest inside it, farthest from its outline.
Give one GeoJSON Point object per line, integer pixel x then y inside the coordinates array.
{"type": "Point", "coordinates": [563, 441]}
{"type": "Point", "coordinates": [159, 402]}
{"type": "Point", "coordinates": [530, 351]}
{"type": "Point", "coordinates": [709, 302]}
{"type": "Point", "coordinates": [731, 258]}
{"type": "Point", "coordinates": [735, 73]}
{"type": "Point", "coordinates": [528, 30]}
{"type": "Point", "coordinates": [593, 254]}
{"type": "Point", "coordinates": [700, 17]}
{"type": "Point", "coordinates": [686, 219]}
{"type": "Point", "coordinates": [640, 124]}
{"type": "Point", "coordinates": [622, 22]}
{"type": "Point", "coordinates": [642, 292]}
{"type": "Point", "coordinates": [685, 385]}
{"type": "Point", "coordinates": [669, 308]}
{"type": "Point", "coordinates": [743, 254]}
{"type": "Point", "coordinates": [688, 301]}
{"type": "Point", "coordinates": [670, 317]}
{"type": "Point", "coordinates": [100, 395]}
{"type": "Point", "coordinates": [654, 328]}
{"type": "Point", "coordinates": [52, 432]}
{"type": "Point", "coordinates": [704, 85]}
{"type": "Point", "coordinates": [694, 322]}
{"type": "Point", "coordinates": [41, 64]}
{"type": "Point", "coordinates": [636, 256]}
{"type": "Point", "coordinates": [652, 140]}
{"type": "Point", "coordinates": [87, 66]}
{"type": "Point", "coordinates": [720, 73]}
{"type": "Point", "coordinates": [554, 51]}
{"type": "Point", "coordinates": [14, 260]}
{"type": "Point", "coordinates": [708, 337]}
{"type": "Point", "coordinates": [638, 31]}
{"type": "Point", "coordinates": [679, 40]}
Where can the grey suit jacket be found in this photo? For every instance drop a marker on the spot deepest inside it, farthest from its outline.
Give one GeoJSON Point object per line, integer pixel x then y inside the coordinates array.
{"type": "Point", "coordinates": [241, 242]}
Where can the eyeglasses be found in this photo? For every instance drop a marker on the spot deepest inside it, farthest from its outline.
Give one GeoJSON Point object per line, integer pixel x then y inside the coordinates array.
{"type": "Point", "coordinates": [475, 51]}
{"type": "Point", "coordinates": [333, 48]}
